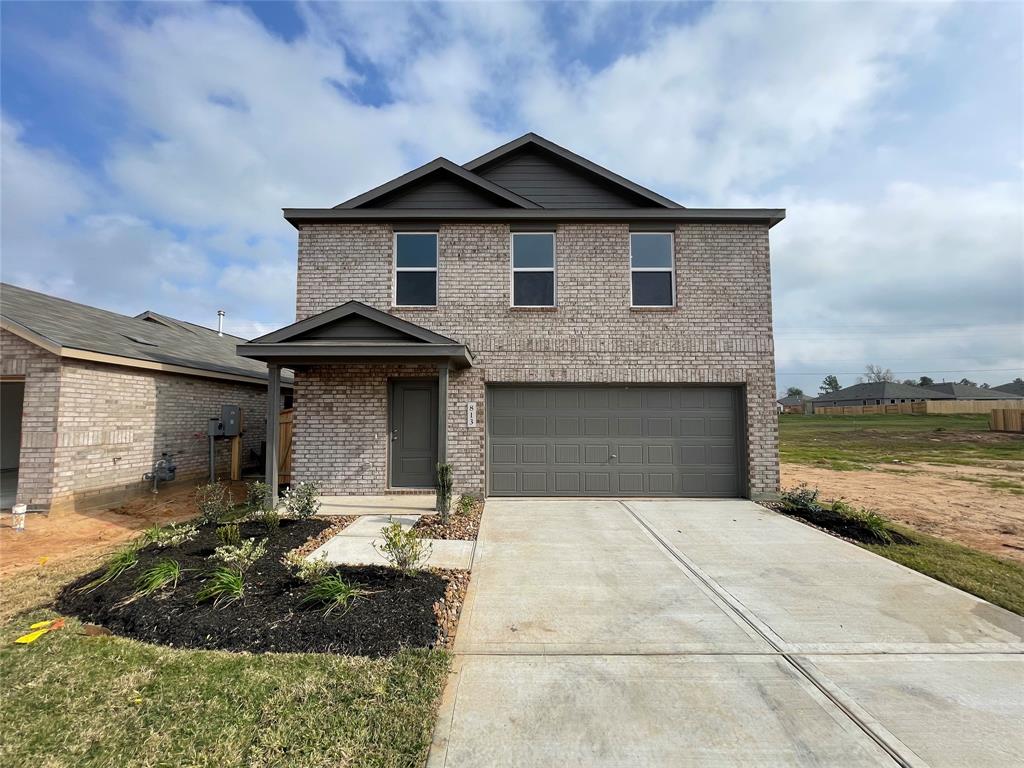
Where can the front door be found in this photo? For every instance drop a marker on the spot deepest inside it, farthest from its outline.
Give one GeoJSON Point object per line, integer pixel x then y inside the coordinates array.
{"type": "Point", "coordinates": [413, 433]}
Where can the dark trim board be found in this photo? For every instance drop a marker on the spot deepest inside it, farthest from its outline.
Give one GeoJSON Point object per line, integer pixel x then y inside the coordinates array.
{"type": "Point", "coordinates": [696, 464]}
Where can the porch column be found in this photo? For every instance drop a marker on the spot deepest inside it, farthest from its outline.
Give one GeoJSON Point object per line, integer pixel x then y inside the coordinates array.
{"type": "Point", "coordinates": [442, 413]}
{"type": "Point", "coordinates": [273, 415]}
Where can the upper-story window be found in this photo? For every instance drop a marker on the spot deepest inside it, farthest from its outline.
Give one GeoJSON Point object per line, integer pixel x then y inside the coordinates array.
{"type": "Point", "coordinates": [416, 269]}
{"type": "Point", "coordinates": [652, 276]}
{"type": "Point", "coordinates": [533, 269]}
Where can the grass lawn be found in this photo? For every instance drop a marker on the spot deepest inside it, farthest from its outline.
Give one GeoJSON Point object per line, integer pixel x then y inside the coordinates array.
{"type": "Point", "coordinates": [72, 700]}
{"type": "Point", "coordinates": [853, 442]}
{"type": "Point", "coordinates": [998, 581]}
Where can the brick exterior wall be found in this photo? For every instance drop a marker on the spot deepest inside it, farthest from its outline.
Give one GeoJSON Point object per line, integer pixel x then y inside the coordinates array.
{"type": "Point", "coordinates": [41, 372]}
{"type": "Point", "coordinates": [90, 429]}
{"type": "Point", "coordinates": [719, 332]}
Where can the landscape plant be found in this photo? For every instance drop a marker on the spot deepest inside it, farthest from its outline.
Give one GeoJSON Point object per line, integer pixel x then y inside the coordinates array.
{"type": "Point", "coordinates": [257, 496]}
{"type": "Point", "coordinates": [164, 573]}
{"type": "Point", "coordinates": [466, 502]}
{"type": "Point", "coordinates": [173, 535]}
{"type": "Point", "coordinates": [229, 534]}
{"type": "Point", "coordinates": [224, 585]}
{"type": "Point", "coordinates": [243, 556]}
{"type": "Point", "coordinates": [308, 570]}
{"type": "Point", "coordinates": [269, 518]}
{"type": "Point", "coordinates": [334, 592]}
{"type": "Point", "coordinates": [404, 549]}
{"type": "Point", "coordinates": [862, 524]}
{"type": "Point", "coordinates": [214, 502]}
{"type": "Point", "coordinates": [302, 500]}
{"type": "Point", "coordinates": [125, 559]}
{"type": "Point", "coordinates": [444, 492]}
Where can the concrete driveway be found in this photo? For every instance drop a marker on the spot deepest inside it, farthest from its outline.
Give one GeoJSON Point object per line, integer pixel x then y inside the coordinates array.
{"type": "Point", "coordinates": [696, 633]}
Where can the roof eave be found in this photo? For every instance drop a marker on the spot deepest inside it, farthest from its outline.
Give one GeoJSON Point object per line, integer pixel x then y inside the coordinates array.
{"type": "Point", "coordinates": [767, 216]}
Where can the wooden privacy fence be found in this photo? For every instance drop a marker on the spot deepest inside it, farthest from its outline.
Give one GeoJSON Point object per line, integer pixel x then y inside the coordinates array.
{"type": "Point", "coordinates": [919, 408]}
{"type": "Point", "coordinates": [285, 421]}
{"type": "Point", "coordinates": [1006, 420]}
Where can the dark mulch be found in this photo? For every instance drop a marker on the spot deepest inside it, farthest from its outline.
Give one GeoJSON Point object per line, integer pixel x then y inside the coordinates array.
{"type": "Point", "coordinates": [398, 614]}
{"type": "Point", "coordinates": [461, 526]}
{"type": "Point", "coordinates": [842, 526]}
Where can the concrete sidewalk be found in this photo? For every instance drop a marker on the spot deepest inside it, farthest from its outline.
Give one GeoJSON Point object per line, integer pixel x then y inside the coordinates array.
{"type": "Point", "coordinates": [690, 633]}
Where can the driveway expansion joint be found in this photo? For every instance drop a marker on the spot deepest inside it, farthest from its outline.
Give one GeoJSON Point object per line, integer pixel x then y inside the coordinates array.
{"type": "Point", "coordinates": [826, 687]}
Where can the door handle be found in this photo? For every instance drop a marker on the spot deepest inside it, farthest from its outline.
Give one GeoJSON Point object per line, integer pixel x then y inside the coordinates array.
{"type": "Point", "coordinates": [613, 456]}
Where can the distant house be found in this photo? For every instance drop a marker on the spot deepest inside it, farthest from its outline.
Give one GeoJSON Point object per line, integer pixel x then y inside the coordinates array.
{"type": "Point", "coordinates": [793, 403]}
{"type": "Point", "coordinates": [1013, 388]}
{"type": "Point", "coordinates": [879, 393]}
{"type": "Point", "coordinates": [971, 392]}
{"type": "Point", "coordinates": [90, 398]}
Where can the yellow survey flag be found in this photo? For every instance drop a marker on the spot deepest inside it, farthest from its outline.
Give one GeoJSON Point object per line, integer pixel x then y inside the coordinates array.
{"type": "Point", "coordinates": [31, 637]}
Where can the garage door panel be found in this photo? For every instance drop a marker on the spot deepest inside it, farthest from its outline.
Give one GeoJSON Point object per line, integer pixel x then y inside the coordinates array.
{"type": "Point", "coordinates": [637, 440]}
{"type": "Point", "coordinates": [534, 454]}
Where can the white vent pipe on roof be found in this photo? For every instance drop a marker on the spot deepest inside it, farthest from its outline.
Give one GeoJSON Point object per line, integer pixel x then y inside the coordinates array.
{"type": "Point", "coordinates": [220, 322]}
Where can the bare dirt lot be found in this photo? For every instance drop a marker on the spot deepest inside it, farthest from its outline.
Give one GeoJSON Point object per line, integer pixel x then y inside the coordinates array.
{"type": "Point", "coordinates": [943, 501]}
{"type": "Point", "coordinates": [945, 476]}
{"type": "Point", "coordinates": [52, 539]}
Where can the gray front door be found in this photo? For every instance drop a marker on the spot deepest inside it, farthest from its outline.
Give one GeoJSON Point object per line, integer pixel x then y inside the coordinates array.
{"type": "Point", "coordinates": [413, 433]}
{"type": "Point", "coordinates": [615, 441]}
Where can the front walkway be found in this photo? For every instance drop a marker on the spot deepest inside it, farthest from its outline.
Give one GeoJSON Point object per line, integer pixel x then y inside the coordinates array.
{"type": "Point", "coordinates": [691, 633]}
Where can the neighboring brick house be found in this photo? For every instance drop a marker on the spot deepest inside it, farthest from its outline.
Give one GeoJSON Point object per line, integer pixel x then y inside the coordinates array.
{"type": "Point", "coordinates": [92, 398]}
{"type": "Point", "coordinates": [543, 324]}
{"type": "Point", "coordinates": [878, 393]}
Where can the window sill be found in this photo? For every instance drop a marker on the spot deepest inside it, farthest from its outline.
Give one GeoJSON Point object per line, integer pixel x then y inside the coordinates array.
{"type": "Point", "coordinates": [533, 309]}
{"type": "Point", "coordinates": [653, 309]}
{"type": "Point", "coordinates": [413, 308]}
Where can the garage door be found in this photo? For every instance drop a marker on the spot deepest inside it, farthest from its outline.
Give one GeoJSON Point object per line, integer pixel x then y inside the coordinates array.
{"type": "Point", "coordinates": [614, 441]}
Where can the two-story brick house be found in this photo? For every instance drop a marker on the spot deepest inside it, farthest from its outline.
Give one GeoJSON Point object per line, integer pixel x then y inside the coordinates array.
{"type": "Point", "coordinates": [546, 326]}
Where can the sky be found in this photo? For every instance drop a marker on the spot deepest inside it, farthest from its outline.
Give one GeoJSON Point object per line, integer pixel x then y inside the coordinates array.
{"type": "Point", "coordinates": [147, 149]}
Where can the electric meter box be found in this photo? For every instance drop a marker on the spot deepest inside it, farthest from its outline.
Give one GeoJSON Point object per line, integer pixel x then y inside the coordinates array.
{"type": "Point", "coordinates": [231, 418]}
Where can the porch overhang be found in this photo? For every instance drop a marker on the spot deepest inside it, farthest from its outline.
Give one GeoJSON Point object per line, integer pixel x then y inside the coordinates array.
{"type": "Point", "coordinates": [319, 353]}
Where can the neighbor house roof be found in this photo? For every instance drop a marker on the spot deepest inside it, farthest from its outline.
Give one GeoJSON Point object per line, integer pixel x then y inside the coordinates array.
{"type": "Point", "coordinates": [883, 390]}
{"type": "Point", "coordinates": [1013, 387]}
{"type": "Point", "coordinates": [528, 180]}
{"type": "Point", "coordinates": [793, 399]}
{"type": "Point", "coordinates": [149, 340]}
{"type": "Point", "coordinates": [971, 392]}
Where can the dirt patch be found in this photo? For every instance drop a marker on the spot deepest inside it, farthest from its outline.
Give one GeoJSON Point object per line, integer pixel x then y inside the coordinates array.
{"type": "Point", "coordinates": [396, 612]}
{"type": "Point", "coordinates": [943, 501]}
{"type": "Point", "coordinates": [66, 535]}
{"type": "Point", "coordinates": [461, 526]}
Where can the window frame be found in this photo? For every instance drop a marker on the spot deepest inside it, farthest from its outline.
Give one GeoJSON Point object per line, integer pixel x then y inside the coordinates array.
{"type": "Point", "coordinates": [395, 269]}
{"type": "Point", "coordinates": [671, 269]}
{"type": "Point", "coordinates": [553, 269]}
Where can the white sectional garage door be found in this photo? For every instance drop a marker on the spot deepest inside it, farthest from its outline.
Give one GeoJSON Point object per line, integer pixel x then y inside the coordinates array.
{"type": "Point", "coordinates": [614, 441]}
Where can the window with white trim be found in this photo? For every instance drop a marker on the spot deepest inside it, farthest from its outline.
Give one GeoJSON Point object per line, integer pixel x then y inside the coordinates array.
{"type": "Point", "coordinates": [651, 272]}
{"type": "Point", "coordinates": [533, 269]}
{"type": "Point", "coordinates": [416, 269]}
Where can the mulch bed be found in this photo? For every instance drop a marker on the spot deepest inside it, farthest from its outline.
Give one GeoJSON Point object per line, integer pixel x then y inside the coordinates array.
{"type": "Point", "coordinates": [462, 527]}
{"type": "Point", "coordinates": [399, 613]}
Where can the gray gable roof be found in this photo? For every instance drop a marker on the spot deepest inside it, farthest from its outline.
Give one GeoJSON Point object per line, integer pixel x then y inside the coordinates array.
{"type": "Point", "coordinates": [883, 390]}
{"type": "Point", "coordinates": [793, 399]}
{"type": "Point", "coordinates": [970, 392]}
{"type": "Point", "coordinates": [1012, 387]}
{"type": "Point", "coordinates": [147, 337]}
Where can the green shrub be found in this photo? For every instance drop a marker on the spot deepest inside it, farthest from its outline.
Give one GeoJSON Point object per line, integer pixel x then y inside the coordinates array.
{"type": "Point", "coordinates": [334, 592]}
{"type": "Point", "coordinates": [164, 573]}
{"type": "Point", "coordinates": [257, 496]}
{"type": "Point", "coordinates": [306, 569]}
{"type": "Point", "coordinates": [860, 524]}
{"type": "Point", "coordinates": [404, 549]}
{"type": "Point", "coordinates": [874, 525]}
{"type": "Point", "coordinates": [243, 556]}
{"type": "Point", "coordinates": [125, 559]}
{"type": "Point", "coordinates": [229, 534]}
{"type": "Point", "coordinates": [269, 518]}
{"type": "Point", "coordinates": [302, 500]}
{"type": "Point", "coordinates": [466, 503]}
{"type": "Point", "coordinates": [173, 535]}
{"type": "Point", "coordinates": [214, 502]}
{"type": "Point", "coordinates": [800, 499]}
{"type": "Point", "coordinates": [444, 492]}
{"type": "Point", "coordinates": [224, 585]}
